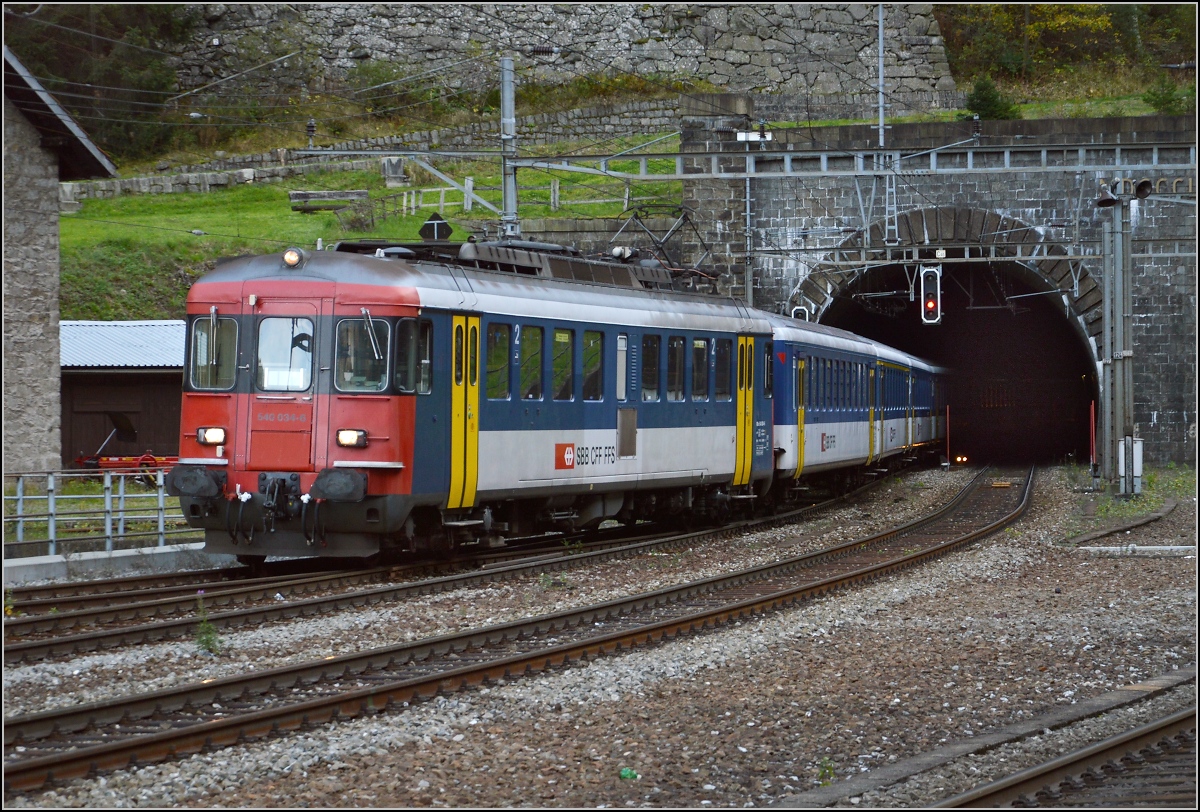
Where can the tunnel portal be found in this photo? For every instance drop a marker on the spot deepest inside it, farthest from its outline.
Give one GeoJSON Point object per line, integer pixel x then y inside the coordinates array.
{"type": "Point", "coordinates": [1023, 382]}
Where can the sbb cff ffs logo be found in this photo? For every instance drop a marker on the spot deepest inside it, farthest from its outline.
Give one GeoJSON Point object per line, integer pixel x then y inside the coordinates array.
{"type": "Point", "coordinates": [931, 294]}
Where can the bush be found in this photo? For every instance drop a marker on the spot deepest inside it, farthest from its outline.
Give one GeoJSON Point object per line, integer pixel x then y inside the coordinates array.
{"type": "Point", "coordinates": [1170, 100]}
{"type": "Point", "coordinates": [986, 101]}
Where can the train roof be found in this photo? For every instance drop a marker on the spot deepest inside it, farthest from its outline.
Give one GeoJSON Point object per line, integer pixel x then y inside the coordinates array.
{"type": "Point", "coordinates": [528, 280]}
{"type": "Point", "coordinates": [452, 286]}
{"type": "Point", "coordinates": [817, 334]}
{"type": "Point", "coordinates": [823, 335]}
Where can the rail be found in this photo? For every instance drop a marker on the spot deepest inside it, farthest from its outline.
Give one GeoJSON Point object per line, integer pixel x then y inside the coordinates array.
{"type": "Point", "coordinates": [67, 512]}
{"type": "Point", "coordinates": [114, 733]}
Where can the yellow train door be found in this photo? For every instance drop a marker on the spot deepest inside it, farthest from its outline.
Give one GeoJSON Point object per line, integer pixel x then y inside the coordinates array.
{"type": "Point", "coordinates": [464, 413]}
{"type": "Point", "coordinates": [744, 445]}
{"type": "Point", "coordinates": [871, 407]}
{"type": "Point", "coordinates": [799, 389]}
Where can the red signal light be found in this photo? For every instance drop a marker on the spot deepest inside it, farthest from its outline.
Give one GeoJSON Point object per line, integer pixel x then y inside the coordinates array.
{"type": "Point", "coordinates": [931, 294]}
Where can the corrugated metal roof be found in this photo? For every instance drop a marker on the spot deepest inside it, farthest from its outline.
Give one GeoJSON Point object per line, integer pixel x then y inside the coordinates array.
{"type": "Point", "coordinates": [122, 343]}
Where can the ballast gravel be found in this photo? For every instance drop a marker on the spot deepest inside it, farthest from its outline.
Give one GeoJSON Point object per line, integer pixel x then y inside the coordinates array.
{"type": "Point", "coordinates": [1017, 625]}
{"type": "Point", "coordinates": [88, 678]}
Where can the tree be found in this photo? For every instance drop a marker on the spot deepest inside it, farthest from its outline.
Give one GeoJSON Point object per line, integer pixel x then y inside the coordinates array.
{"type": "Point", "coordinates": [1010, 40]}
{"type": "Point", "coordinates": [107, 64]}
{"type": "Point", "coordinates": [986, 101]}
{"type": "Point", "coordinates": [1168, 99]}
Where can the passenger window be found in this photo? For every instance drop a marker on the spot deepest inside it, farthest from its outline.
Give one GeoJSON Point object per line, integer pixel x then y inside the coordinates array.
{"type": "Point", "coordinates": [473, 356]}
{"type": "Point", "coordinates": [361, 358]}
{"type": "Point", "coordinates": [723, 363]}
{"type": "Point", "coordinates": [676, 359]}
{"type": "Point", "coordinates": [531, 363]}
{"type": "Point", "coordinates": [563, 365]}
{"type": "Point", "coordinates": [622, 366]}
{"type": "Point", "coordinates": [699, 369]}
{"type": "Point", "coordinates": [498, 358]}
{"type": "Point", "coordinates": [458, 355]}
{"type": "Point", "coordinates": [811, 388]}
{"type": "Point", "coordinates": [414, 356]}
{"type": "Point", "coordinates": [650, 367]}
{"type": "Point", "coordinates": [798, 383]}
{"type": "Point", "coordinates": [214, 353]}
{"type": "Point", "coordinates": [593, 366]}
{"type": "Point", "coordinates": [768, 369]}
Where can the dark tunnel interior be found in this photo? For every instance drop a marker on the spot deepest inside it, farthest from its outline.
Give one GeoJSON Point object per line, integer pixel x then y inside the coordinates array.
{"type": "Point", "coordinates": [1022, 380]}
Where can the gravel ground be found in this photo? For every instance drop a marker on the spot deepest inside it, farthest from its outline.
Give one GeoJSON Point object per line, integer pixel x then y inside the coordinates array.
{"type": "Point", "coordinates": [88, 678]}
{"type": "Point", "coordinates": [1016, 626]}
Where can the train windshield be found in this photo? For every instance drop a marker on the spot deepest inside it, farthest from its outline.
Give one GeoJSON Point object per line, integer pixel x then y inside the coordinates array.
{"type": "Point", "coordinates": [285, 354]}
{"type": "Point", "coordinates": [214, 353]}
{"type": "Point", "coordinates": [361, 362]}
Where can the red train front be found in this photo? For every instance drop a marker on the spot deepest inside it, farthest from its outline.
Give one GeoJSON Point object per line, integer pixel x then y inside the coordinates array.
{"type": "Point", "coordinates": [276, 438]}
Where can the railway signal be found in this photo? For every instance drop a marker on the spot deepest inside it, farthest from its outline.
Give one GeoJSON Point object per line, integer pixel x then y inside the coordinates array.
{"type": "Point", "coordinates": [931, 294]}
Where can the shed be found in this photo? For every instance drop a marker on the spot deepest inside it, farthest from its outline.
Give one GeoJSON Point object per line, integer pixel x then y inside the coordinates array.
{"type": "Point", "coordinates": [131, 367]}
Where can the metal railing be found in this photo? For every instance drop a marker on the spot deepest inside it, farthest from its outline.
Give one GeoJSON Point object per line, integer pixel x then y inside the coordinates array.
{"type": "Point", "coordinates": [66, 512]}
{"type": "Point", "coordinates": [366, 214]}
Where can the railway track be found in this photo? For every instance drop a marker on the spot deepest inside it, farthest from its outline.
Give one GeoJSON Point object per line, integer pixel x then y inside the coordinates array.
{"type": "Point", "coordinates": [1151, 766]}
{"type": "Point", "coordinates": [96, 617]}
{"type": "Point", "coordinates": [112, 734]}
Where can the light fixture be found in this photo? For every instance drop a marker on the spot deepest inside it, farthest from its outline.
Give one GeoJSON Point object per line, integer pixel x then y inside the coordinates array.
{"type": "Point", "coordinates": [293, 257]}
{"type": "Point", "coordinates": [210, 436]}
{"type": "Point", "coordinates": [1107, 198]}
{"type": "Point", "coordinates": [352, 438]}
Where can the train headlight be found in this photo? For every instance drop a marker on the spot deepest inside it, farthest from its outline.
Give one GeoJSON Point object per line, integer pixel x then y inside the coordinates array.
{"type": "Point", "coordinates": [352, 438]}
{"type": "Point", "coordinates": [210, 436]}
{"type": "Point", "coordinates": [293, 257]}
{"type": "Point", "coordinates": [961, 458]}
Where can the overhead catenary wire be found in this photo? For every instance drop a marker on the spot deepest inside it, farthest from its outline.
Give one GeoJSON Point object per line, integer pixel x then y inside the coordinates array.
{"type": "Point", "coordinates": [543, 38]}
{"type": "Point", "coordinates": [284, 126]}
{"type": "Point", "coordinates": [31, 19]}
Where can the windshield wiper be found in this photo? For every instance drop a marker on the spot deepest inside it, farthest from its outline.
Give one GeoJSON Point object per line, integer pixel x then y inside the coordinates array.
{"type": "Point", "coordinates": [371, 335]}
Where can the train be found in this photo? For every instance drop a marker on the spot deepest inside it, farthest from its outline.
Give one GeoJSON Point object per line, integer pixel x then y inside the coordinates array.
{"type": "Point", "coordinates": [382, 398]}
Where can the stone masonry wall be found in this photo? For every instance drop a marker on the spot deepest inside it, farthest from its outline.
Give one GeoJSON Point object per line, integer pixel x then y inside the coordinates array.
{"type": "Point", "coordinates": [810, 216]}
{"type": "Point", "coordinates": [31, 357]}
{"type": "Point", "coordinates": [778, 48]}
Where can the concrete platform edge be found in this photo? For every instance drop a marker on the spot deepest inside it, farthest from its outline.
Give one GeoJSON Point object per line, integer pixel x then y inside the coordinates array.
{"type": "Point", "coordinates": [116, 564]}
{"type": "Point", "coordinates": [902, 770]}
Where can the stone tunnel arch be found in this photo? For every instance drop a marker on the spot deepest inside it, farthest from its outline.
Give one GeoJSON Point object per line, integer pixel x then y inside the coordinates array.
{"type": "Point", "coordinates": [920, 232]}
{"type": "Point", "coordinates": [1024, 316]}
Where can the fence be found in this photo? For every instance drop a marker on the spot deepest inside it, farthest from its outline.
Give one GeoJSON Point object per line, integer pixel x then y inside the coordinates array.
{"type": "Point", "coordinates": [365, 214]}
{"type": "Point", "coordinates": [66, 512]}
